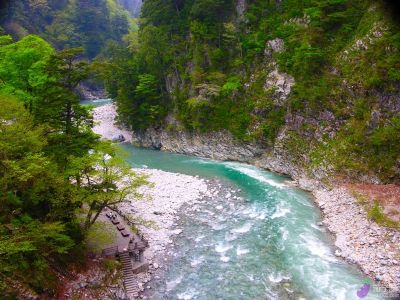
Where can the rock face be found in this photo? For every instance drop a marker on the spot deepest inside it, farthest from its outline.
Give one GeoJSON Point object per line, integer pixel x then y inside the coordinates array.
{"type": "Point", "coordinates": [221, 145]}
{"type": "Point", "coordinates": [281, 83]}
{"type": "Point", "coordinates": [217, 145]}
{"type": "Point", "coordinates": [133, 6]}
{"type": "Point", "coordinates": [241, 7]}
{"type": "Point", "coordinates": [118, 138]}
{"type": "Point", "coordinates": [372, 247]}
{"type": "Point", "coordinates": [278, 82]}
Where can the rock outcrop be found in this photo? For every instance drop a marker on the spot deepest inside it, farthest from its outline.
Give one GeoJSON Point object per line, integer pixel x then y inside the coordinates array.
{"type": "Point", "coordinates": [217, 145]}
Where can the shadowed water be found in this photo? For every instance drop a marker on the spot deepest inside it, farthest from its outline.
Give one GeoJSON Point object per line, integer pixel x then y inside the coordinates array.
{"type": "Point", "coordinates": [261, 243]}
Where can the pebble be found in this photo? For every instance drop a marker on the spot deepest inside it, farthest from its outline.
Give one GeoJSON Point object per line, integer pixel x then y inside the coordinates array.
{"type": "Point", "coordinates": [342, 216]}
{"type": "Point", "coordinates": [360, 240]}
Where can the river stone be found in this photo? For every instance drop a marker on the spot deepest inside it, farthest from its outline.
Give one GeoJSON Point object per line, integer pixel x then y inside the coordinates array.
{"type": "Point", "coordinates": [119, 138]}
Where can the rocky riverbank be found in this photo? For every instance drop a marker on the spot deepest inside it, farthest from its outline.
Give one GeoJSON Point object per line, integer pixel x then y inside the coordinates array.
{"type": "Point", "coordinates": [161, 201]}
{"type": "Point", "coordinates": [104, 117]}
{"type": "Point", "coordinates": [158, 212]}
{"type": "Point", "coordinates": [375, 249]}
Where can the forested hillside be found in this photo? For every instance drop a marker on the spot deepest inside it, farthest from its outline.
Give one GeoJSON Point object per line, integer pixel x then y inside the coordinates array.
{"type": "Point", "coordinates": [312, 82]}
{"type": "Point", "coordinates": [316, 81]}
{"type": "Point", "coordinates": [55, 174]}
{"type": "Point", "coordinates": [91, 24]}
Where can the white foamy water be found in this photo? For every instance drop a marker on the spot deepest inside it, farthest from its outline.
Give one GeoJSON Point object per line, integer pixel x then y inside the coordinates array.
{"type": "Point", "coordinates": [221, 248]}
{"type": "Point", "coordinates": [217, 226]}
{"type": "Point", "coordinates": [276, 278]}
{"type": "Point", "coordinates": [317, 248]}
{"type": "Point", "coordinates": [187, 295]}
{"type": "Point", "coordinates": [197, 261]}
{"type": "Point", "coordinates": [285, 233]}
{"type": "Point", "coordinates": [225, 258]}
{"type": "Point", "coordinates": [170, 285]}
{"type": "Point", "coordinates": [280, 212]}
{"type": "Point", "coordinates": [229, 237]}
{"type": "Point", "coordinates": [241, 251]}
{"type": "Point", "coordinates": [243, 229]}
{"type": "Point", "coordinates": [256, 174]}
{"type": "Point", "coordinates": [199, 238]}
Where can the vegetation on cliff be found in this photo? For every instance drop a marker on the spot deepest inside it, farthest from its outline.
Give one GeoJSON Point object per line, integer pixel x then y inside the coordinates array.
{"type": "Point", "coordinates": [319, 73]}
{"type": "Point", "coordinates": [90, 24]}
{"type": "Point", "coordinates": [317, 81]}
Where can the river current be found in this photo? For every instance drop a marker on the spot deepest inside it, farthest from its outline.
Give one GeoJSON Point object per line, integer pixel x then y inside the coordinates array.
{"type": "Point", "coordinates": [260, 243]}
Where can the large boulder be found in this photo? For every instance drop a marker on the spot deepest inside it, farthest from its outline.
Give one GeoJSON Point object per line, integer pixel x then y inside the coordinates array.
{"type": "Point", "coordinates": [118, 138]}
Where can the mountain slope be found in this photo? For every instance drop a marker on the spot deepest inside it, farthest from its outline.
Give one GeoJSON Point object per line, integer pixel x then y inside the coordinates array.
{"type": "Point", "coordinates": [315, 81]}
{"type": "Point", "coordinates": [68, 23]}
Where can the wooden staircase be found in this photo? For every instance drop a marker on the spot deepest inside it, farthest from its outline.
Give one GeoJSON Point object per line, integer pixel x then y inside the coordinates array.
{"type": "Point", "coordinates": [130, 283]}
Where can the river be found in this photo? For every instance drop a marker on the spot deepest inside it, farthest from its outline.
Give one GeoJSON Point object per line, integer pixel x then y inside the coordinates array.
{"type": "Point", "coordinates": [262, 244]}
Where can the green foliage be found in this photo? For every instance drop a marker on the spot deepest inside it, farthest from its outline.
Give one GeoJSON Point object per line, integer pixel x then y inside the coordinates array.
{"type": "Point", "coordinates": [104, 180]}
{"type": "Point", "coordinates": [22, 65]}
{"type": "Point", "coordinates": [357, 148]}
{"type": "Point", "coordinates": [375, 213]}
{"type": "Point", "coordinates": [36, 204]}
{"type": "Point", "coordinates": [273, 122]}
{"type": "Point", "coordinates": [210, 69]}
{"type": "Point", "coordinates": [57, 105]}
{"type": "Point", "coordinates": [31, 70]}
{"type": "Point", "coordinates": [68, 23]}
{"type": "Point", "coordinates": [232, 84]}
{"type": "Point", "coordinates": [47, 148]}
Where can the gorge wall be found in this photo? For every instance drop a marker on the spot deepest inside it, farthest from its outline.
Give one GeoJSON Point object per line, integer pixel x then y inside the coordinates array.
{"type": "Point", "coordinates": [315, 83]}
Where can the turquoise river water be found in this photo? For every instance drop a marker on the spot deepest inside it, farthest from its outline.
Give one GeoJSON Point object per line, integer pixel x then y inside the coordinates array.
{"type": "Point", "coordinates": [264, 244]}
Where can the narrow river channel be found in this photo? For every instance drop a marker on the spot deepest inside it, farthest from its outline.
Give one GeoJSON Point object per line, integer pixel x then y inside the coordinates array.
{"type": "Point", "coordinates": [263, 243]}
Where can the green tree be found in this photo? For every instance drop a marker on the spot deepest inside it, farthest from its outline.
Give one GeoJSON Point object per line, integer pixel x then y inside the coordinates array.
{"type": "Point", "coordinates": [22, 66]}
{"type": "Point", "coordinates": [57, 105]}
{"type": "Point", "coordinates": [37, 205]}
{"type": "Point", "coordinates": [104, 180]}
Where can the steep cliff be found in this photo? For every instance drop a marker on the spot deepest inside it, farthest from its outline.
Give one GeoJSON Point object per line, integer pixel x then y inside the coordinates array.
{"type": "Point", "coordinates": [312, 82]}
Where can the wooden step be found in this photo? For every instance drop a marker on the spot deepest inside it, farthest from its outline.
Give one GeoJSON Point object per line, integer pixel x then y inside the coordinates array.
{"type": "Point", "coordinates": [130, 283]}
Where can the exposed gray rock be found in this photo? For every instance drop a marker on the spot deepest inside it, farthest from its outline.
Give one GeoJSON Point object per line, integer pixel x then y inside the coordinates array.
{"type": "Point", "coordinates": [241, 7]}
{"type": "Point", "coordinates": [281, 84]}
{"type": "Point", "coordinates": [218, 145]}
{"type": "Point", "coordinates": [272, 46]}
{"type": "Point", "coordinates": [118, 138]}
